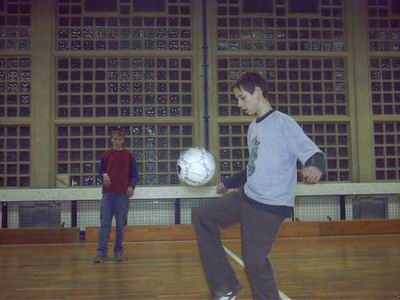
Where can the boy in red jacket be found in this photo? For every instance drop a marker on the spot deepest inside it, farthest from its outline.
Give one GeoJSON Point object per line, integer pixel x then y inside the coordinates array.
{"type": "Point", "coordinates": [120, 176]}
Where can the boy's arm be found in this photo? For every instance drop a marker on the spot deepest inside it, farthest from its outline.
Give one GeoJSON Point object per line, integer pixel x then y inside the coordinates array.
{"type": "Point", "coordinates": [317, 160]}
{"type": "Point", "coordinates": [102, 167]}
{"type": "Point", "coordinates": [313, 169]}
{"type": "Point", "coordinates": [105, 179]}
{"type": "Point", "coordinates": [236, 180]}
{"type": "Point", "coordinates": [305, 150]}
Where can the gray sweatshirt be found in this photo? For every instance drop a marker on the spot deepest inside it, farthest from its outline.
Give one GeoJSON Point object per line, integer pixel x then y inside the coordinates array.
{"type": "Point", "coordinates": [275, 143]}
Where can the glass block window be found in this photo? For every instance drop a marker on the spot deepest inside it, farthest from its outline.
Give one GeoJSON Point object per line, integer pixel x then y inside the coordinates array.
{"type": "Point", "coordinates": [305, 6]}
{"type": "Point", "coordinates": [233, 152]}
{"type": "Point", "coordinates": [15, 169]}
{"type": "Point", "coordinates": [298, 86]}
{"type": "Point", "coordinates": [100, 6]}
{"type": "Point", "coordinates": [332, 138]}
{"type": "Point", "coordinates": [387, 150]}
{"type": "Point", "coordinates": [385, 85]}
{"type": "Point", "coordinates": [122, 25]}
{"type": "Point", "coordinates": [395, 7]}
{"type": "Point", "coordinates": [321, 30]}
{"type": "Point", "coordinates": [124, 87]}
{"type": "Point", "coordinates": [383, 26]}
{"type": "Point", "coordinates": [148, 5]}
{"type": "Point", "coordinates": [257, 6]}
{"type": "Point", "coordinates": [156, 148]}
{"type": "Point", "coordinates": [15, 86]}
{"type": "Point", "coordinates": [15, 22]}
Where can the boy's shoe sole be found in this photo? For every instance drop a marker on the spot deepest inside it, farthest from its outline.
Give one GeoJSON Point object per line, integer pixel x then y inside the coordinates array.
{"type": "Point", "coordinates": [118, 257]}
{"type": "Point", "coordinates": [228, 296]}
{"type": "Point", "coordinates": [231, 295]}
{"type": "Point", "coordinates": [99, 259]}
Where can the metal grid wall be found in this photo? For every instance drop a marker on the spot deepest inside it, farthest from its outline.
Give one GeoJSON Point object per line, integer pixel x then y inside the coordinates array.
{"type": "Point", "coordinates": [299, 86]}
{"type": "Point", "coordinates": [124, 87]}
{"type": "Point", "coordinates": [122, 26]}
{"type": "Point", "coordinates": [15, 166]}
{"type": "Point", "coordinates": [15, 25]}
{"type": "Point", "coordinates": [15, 92]}
{"type": "Point", "coordinates": [128, 63]}
{"type": "Point", "coordinates": [279, 25]}
{"type": "Point", "coordinates": [384, 69]}
{"type": "Point", "coordinates": [15, 86]}
{"type": "Point", "coordinates": [166, 211]}
{"type": "Point", "coordinates": [156, 149]}
{"type": "Point", "coordinates": [151, 90]}
{"type": "Point", "coordinates": [284, 42]}
{"type": "Point", "coordinates": [384, 25]}
{"type": "Point", "coordinates": [387, 150]}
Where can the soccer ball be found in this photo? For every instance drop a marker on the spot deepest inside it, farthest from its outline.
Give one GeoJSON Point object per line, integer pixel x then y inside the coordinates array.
{"type": "Point", "coordinates": [195, 166]}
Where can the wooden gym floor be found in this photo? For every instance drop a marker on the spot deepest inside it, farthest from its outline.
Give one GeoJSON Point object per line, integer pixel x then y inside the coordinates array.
{"type": "Point", "coordinates": [347, 267]}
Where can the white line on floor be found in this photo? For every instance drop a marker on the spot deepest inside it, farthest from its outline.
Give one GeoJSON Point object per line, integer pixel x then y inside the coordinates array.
{"type": "Point", "coordinates": [240, 262]}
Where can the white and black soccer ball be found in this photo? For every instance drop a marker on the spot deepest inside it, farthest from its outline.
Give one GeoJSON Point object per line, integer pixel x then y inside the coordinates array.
{"type": "Point", "coordinates": [195, 166]}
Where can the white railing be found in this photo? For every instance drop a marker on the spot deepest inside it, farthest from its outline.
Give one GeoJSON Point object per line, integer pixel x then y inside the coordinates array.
{"type": "Point", "coordinates": [156, 205]}
{"type": "Point", "coordinates": [186, 192]}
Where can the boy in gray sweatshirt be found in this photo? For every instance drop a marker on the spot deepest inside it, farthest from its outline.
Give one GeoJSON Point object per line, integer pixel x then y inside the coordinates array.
{"type": "Point", "coordinates": [265, 198]}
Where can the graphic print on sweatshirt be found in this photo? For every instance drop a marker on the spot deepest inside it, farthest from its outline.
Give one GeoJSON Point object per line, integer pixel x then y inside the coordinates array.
{"type": "Point", "coordinates": [251, 168]}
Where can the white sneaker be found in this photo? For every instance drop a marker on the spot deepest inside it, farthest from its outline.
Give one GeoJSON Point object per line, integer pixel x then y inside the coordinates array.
{"type": "Point", "coordinates": [227, 296]}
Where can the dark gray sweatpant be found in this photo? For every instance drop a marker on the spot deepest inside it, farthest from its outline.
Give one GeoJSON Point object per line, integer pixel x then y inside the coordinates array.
{"type": "Point", "coordinates": [259, 230]}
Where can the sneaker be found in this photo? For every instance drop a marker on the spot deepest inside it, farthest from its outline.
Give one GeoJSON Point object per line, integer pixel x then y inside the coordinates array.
{"type": "Point", "coordinates": [118, 257]}
{"type": "Point", "coordinates": [228, 296]}
{"type": "Point", "coordinates": [99, 258]}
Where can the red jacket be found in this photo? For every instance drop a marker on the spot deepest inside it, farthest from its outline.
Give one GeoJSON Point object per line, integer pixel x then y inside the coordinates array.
{"type": "Point", "coordinates": [120, 165]}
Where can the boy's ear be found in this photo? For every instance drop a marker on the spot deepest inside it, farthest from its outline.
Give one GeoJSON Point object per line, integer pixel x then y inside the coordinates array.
{"type": "Point", "coordinates": [258, 90]}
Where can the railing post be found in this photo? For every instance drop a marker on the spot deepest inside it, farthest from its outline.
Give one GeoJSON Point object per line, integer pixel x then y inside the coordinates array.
{"type": "Point", "coordinates": [177, 206]}
{"type": "Point", "coordinates": [4, 215]}
{"type": "Point", "coordinates": [74, 213]}
{"type": "Point", "coordinates": [293, 214]}
{"type": "Point", "coordinates": [342, 207]}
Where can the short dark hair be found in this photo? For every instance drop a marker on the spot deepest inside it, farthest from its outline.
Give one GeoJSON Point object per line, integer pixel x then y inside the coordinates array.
{"type": "Point", "coordinates": [248, 81]}
{"type": "Point", "coordinates": [118, 131]}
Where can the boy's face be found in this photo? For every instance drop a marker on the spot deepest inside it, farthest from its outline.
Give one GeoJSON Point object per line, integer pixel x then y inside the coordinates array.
{"type": "Point", "coordinates": [117, 141]}
{"type": "Point", "coordinates": [248, 103]}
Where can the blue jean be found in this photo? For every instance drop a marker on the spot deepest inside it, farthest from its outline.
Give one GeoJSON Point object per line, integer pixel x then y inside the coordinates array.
{"type": "Point", "coordinates": [117, 205]}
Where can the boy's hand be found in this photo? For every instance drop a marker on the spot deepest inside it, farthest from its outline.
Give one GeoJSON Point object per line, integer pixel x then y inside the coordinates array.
{"type": "Point", "coordinates": [221, 189]}
{"type": "Point", "coordinates": [311, 174]}
{"type": "Point", "coordinates": [130, 191]}
{"type": "Point", "coordinates": [106, 180]}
